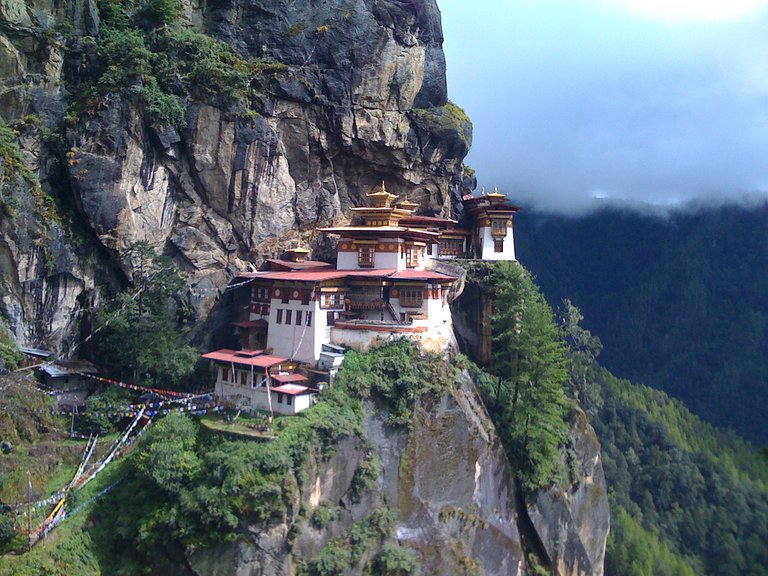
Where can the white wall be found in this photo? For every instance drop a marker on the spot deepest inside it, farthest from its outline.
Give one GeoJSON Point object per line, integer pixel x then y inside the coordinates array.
{"type": "Point", "coordinates": [487, 239]}
{"type": "Point", "coordinates": [257, 397]}
{"type": "Point", "coordinates": [297, 342]}
{"type": "Point", "coordinates": [347, 261]}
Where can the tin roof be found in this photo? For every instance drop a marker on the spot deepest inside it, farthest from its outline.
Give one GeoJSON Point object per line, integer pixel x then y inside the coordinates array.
{"type": "Point", "coordinates": [62, 368]}
{"type": "Point", "coordinates": [293, 389]}
{"type": "Point", "coordinates": [245, 357]}
{"type": "Point", "coordinates": [288, 378]}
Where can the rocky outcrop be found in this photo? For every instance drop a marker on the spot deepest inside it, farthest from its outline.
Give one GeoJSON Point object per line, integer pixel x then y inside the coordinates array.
{"type": "Point", "coordinates": [573, 521]}
{"type": "Point", "coordinates": [447, 478]}
{"type": "Point", "coordinates": [360, 97]}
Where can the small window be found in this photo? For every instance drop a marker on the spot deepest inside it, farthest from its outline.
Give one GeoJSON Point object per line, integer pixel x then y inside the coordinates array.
{"type": "Point", "coordinates": [498, 244]}
{"type": "Point", "coordinates": [260, 294]}
{"type": "Point", "coordinates": [365, 256]}
{"type": "Point", "coordinates": [411, 297]}
{"type": "Point", "coordinates": [279, 319]}
{"type": "Point", "coordinates": [305, 297]}
{"type": "Point", "coordinates": [225, 374]}
{"type": "Point", "coordinates": [298, 317]}
{"type": "Point", "coordinates": [308, 321]}
{"type": "Point", "coordinates": [429, 249]}
{"type": "Point", "coordinates": [413, 255]}
{"type": "Point", "coordinates": [288, 316]}
{"type": "Point", "coordinates": [288, 399]}
{"type": "Point", "coordinates": [279, 398]}
{"type": "Point", "coordinates": [285, 296]}
{"type": "Point", "coordinates": [331, 319]}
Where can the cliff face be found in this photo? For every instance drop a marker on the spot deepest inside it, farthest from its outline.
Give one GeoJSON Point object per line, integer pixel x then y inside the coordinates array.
{"type": "Point", "coordinates": [447, 479]}
{"type": "Point", "coordinates": [359, 97]}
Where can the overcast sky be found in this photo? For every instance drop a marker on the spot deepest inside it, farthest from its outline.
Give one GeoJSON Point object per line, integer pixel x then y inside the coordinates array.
{"type": "Point", "coordinates": [648, 100]}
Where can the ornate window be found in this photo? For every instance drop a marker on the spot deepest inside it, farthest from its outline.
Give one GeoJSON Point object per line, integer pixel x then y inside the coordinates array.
{"type": "Point", "coordinates": [365, 255]}
{"type": "Point", "coordinates": [413, 255]}
{"type": "Point", "coordinates": [260, 294]}
{"type": "Point", "coordinates": [498, 227]}
{"type": "Point", "coordinates": [411, 297]}
{"type": "Point", "coordinates": [335, 300]}
{"type": "Point", "coordinates": [498, 244]}
{"type": "Point", "coordinates": [451, 247]}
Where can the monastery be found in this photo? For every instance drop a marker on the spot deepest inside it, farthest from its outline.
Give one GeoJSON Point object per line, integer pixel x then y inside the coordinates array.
{"type": "Point", "coordinates": [301, 313]}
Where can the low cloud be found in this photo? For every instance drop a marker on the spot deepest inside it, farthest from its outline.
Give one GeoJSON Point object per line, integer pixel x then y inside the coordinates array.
{"type": "Point", "coordinates": [575, 105]}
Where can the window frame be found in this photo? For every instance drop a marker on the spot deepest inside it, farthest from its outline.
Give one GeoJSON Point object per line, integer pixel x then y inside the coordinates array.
{"type": "Point", "coordinates": [366, 256]}
{"type": "Point", "coordinates": [408, 299]}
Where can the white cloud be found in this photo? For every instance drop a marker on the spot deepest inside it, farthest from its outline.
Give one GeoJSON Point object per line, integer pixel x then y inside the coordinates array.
{"type": "Point", "coordinates": [569, 98]}
{"type": "Point", "coordinates": [687, 10]}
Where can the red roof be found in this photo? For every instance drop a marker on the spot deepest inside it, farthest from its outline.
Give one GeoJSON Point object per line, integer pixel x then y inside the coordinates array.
{"type": "Point", "coordinates": [288, 378]}
{"type": "Point", "coordinates": [320, 275]}
{"type": "Point", "coordinates": [280, 265]}
{"type": "Point", "coordinates": [245, 357]}
{"type": "Point", "coordinates": [305, 276]}
{"type": "Point", "coordinates": [421, 275]}
{"type": "Point", "coordinates": [372, 273]}
{"type": "Point", "coordinates": [293, 389]}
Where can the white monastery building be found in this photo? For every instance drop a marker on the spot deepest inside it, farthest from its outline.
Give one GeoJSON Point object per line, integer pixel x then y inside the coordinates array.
{"type": "Point", "coordinates": [300, 310]}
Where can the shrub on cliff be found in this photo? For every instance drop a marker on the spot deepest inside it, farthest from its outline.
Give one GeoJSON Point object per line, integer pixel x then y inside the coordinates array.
{"type": "Point", "coordinates": [526, 396]}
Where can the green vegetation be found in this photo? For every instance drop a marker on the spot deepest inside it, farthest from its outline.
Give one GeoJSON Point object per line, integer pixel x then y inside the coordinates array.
{"type": "Point", "coordinates": [679, 303]}
{"type": "Point", "coordinates": [362, 539]}
{"type": "Point", "coordinates": [199, 487]}
{"type": "Point", "coordinates": [394, 560]}
{"type": "Point", "coordinates": [526, 395]}
{"type": "Point", "coordinates": [9, 352]}
{"type": "Point", "coordinates": [141, 340]}
{"type": "Point", "coordinates": [445, 118]}
{"type": "Point", "coordinates": [11, 157]}
{"type": "Point", "coordinates": [701, 493]}
{"type": "Point", "coordinates": [145, 54]}
{"type": "Point", "coordinates": [324, 515]}
{"type": "Point", "coordinates": [366, 476]}
{"type": "Point", "coordinates": [685, 497]}
{"type": "Point", "coordinates": [395, 376]}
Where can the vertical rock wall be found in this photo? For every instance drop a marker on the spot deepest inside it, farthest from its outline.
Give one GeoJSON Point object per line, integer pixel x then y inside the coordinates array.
{"type": "Point", "coordinates": [344, 113]}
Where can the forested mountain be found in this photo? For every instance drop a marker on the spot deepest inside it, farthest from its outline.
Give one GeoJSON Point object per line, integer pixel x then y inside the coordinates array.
{"type": "Point", "coordinates": [681, 303]}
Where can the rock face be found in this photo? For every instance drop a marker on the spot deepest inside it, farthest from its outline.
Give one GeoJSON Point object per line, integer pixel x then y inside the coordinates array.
{"type": "Point", "coordinates": [573, 521]}
{"type": "Point", "coordinates": [361, 98]}
{"type": "Point", "coordinates": [447, 479]}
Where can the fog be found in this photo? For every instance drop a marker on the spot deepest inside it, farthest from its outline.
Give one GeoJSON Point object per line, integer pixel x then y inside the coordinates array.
{"type": "Point", "coordinates": [585, 103]}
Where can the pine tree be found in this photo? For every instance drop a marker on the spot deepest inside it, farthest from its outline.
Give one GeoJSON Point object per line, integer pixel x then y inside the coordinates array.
{"type": "Point", "coordinates": [142, 339]}
{"type": "Point", "coordinates": [531, 367]}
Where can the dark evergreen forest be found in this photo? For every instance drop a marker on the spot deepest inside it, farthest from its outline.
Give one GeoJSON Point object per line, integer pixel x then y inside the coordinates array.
{"type": "Point", "coordinates": [680, 303]}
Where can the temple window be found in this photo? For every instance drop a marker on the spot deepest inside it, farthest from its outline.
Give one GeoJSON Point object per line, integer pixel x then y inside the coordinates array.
{"type": "Point", "coordinates": [498, 244]}
{"type": "Point", "coordinates": [365, 255]}
{"type": "Point", "coordinates": [413, 255]}
{"type": "Point", "coordinates": [411, 297]}
{"type": "Point", "coordinates": [499, 227]}
{"type": "Point", "coordinates": [451, 247]}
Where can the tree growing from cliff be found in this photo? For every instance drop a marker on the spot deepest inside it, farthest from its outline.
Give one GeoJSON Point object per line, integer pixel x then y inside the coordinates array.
{"type": "Point", "coordinates": [142, 339]}
{"type": "Point", "coordinates": [531, 369]}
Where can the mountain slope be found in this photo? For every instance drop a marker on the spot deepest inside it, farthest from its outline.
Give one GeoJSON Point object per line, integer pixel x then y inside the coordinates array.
{"type": "Point", "coordinates": [680, 303]}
